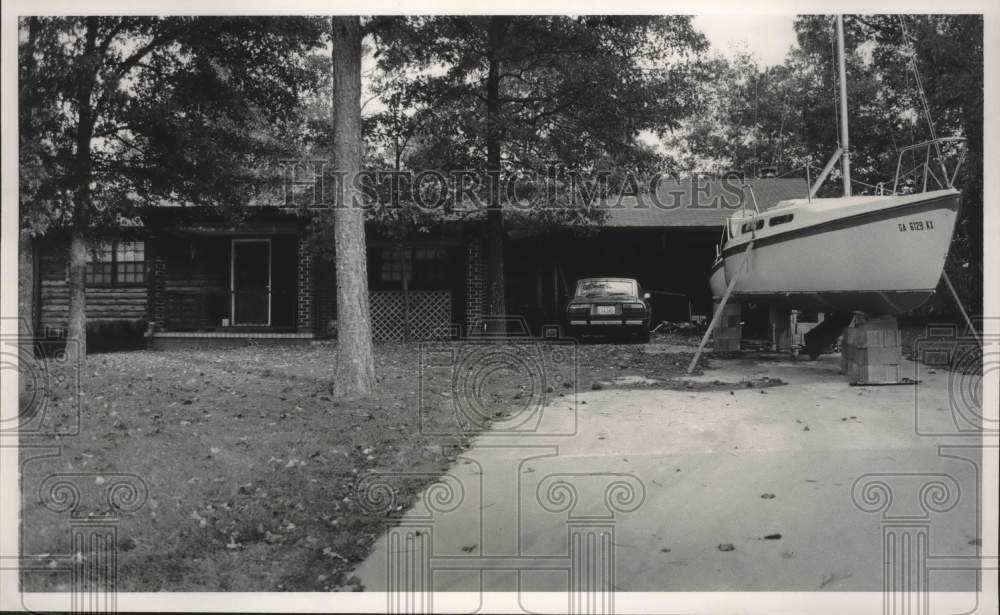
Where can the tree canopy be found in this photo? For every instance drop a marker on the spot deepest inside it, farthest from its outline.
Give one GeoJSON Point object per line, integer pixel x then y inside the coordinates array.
{"type": "Point", "coordinates": [785, 116]}
{"type": "Point", "coordinates": [119, 111]}
{"type": "Point", "coordinates": [499, 95]}
{"type": "Point", "coordinates": [131, 110]}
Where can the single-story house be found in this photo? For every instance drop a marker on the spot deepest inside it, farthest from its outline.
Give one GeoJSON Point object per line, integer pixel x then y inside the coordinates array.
{"type": "Point", "coordinates": [186, 276]}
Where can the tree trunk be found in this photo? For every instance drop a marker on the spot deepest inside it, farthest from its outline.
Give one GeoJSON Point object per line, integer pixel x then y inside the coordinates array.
{"type": "Point", "coordinates": [495, 300]}
{"type": "Point", "coordinates": [26, 286]}
{"type": "Point", "coordinates": [76, 334]}
{"type": "Point", "coordinates": [25, 245]}
{"type": "Point", "coordinates": [355, 364]}
{"type": "Point", "coordinates": [404, 253]}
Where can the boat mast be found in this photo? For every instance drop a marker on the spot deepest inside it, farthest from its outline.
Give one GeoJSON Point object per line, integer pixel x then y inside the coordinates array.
{"type": "Point", "coordinates": [845, 156]}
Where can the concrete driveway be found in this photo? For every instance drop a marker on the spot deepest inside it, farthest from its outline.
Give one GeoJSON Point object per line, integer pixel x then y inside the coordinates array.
{"type": "Point", "coordinates": [733, 489]}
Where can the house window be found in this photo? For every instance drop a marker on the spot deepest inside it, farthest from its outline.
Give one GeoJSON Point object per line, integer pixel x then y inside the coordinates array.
{"type": "Point", "coordinates": [100, 264]}
{"type": "Point", "coordinates": [117, 263]}
{"type": "Point", "coordinates": [393, 265]}
{"type": "Point", "coordinates": [424, 267]}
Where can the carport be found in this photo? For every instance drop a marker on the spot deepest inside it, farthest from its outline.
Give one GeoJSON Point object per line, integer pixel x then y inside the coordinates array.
{"type": "Point", "coordinates": [665, 240]}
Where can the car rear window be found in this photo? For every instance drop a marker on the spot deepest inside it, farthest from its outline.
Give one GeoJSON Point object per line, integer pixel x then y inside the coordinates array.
{"type": "Point", "coordinates": [604, 288]}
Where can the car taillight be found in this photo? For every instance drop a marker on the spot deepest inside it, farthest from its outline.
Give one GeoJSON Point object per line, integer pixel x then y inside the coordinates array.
{"type": "Point", "coordinates": [635, 307]}
{"type": "Point", "coordinates": [579, 308]}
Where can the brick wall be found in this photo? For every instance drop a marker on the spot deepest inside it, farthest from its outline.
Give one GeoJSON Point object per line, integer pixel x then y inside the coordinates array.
{"type": "Point", "coordinates": [325, 296]}
{"type": "Point", "coordinates": [157, 283]}
{"type": "Point", "coordinates": [305, 312]}
{"type": "Point", "coordinates": [475, 281]}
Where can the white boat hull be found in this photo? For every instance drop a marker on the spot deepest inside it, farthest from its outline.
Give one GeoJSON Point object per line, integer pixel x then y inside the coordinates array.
{"type": "Point", "coordinates": [717, 281]}
{"type": "Point", "coordinates": [884, 256]}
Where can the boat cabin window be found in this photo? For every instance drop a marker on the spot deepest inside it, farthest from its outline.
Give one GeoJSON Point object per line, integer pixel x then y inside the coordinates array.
{"type": "Point", "coordinates": [775, 221]}
{"type": "Point", "coordinates": [748, 225]}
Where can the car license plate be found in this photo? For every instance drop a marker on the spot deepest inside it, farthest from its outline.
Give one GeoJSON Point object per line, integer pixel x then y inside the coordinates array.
{"type": "Point", "coordinates": [605, 309]}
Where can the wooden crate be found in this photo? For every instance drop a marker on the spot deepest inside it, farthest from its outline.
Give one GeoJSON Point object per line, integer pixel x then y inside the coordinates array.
{"type": "Point", "coordinates": [871, 352]}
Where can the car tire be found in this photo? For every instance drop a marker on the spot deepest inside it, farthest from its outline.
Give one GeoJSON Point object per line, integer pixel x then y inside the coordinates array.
{"type": "Point", "coordinates": [642, 336]}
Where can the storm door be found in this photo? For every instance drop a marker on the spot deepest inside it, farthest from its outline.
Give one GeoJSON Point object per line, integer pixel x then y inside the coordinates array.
{"type": "Point", "coordinates": [250, 282]}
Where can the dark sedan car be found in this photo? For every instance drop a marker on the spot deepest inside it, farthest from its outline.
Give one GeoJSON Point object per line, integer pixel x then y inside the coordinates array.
{"type": "Point", "coordinates": [609, 307]}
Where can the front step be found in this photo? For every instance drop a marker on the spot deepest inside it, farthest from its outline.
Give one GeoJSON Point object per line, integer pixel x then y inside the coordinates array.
{"type": "Point", "coordinates": [826, 332]}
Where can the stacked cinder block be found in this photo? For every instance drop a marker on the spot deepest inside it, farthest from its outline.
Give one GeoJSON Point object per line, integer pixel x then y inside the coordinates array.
{"type": "Point", "coordinates": [729, 331]}
{"type": "Point", "coordinates": [872, 351]}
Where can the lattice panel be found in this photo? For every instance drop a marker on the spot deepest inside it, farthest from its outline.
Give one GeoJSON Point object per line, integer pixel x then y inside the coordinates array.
{"type": "Point", "coordinates": [430, 315]}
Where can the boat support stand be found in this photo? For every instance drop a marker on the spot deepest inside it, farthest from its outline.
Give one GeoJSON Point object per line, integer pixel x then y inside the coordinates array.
{"type": "Point", "coordinates": [961, 308]}
{"type": "Point", "coordinates": [722, 306]}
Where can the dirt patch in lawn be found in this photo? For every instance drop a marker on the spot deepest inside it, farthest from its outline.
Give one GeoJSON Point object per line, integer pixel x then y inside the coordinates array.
{"type": "Point", "coordinates": [661, 364]}
{"type": "Point", "coordinates": [252, 467]}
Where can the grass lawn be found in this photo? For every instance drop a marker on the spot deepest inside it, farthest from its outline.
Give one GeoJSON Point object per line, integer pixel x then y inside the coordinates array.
{"type": "Point", "coordinates": [251, 462]}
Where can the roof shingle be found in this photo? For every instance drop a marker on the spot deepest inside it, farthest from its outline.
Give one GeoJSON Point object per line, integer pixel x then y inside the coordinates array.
{"type": "Point", "coordinates": [697, 202]}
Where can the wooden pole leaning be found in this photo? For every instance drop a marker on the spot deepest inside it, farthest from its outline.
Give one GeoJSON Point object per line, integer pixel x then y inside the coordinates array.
{"type": "Point", "coordinates": [722, 306]}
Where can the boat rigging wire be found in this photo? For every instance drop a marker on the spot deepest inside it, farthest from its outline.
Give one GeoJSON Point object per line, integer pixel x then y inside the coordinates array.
{"type": "Point", "coordinates": [911, 52]}
{"type": "Point", "coordinates": [776, 158]}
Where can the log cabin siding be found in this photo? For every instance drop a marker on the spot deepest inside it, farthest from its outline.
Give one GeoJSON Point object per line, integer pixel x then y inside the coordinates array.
{"type": "Point", "coordinates": [104, 303]}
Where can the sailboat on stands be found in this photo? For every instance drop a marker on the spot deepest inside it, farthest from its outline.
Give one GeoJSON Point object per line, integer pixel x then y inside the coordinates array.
{"type": "Point", "coordinates": [880, 254]}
